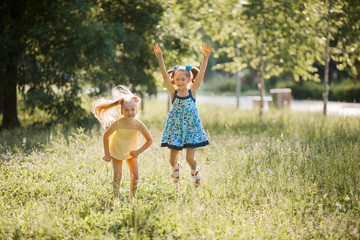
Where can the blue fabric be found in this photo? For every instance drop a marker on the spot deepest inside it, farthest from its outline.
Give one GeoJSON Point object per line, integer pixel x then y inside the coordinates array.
{"type": "Point", "coordinates": [183, 128]}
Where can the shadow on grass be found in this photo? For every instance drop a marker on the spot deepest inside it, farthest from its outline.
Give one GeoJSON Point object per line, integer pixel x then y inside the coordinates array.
{"type": "Point", "coordinates": [37, 135]}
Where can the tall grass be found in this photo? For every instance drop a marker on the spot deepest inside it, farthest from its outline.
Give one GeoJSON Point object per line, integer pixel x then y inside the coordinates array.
{"type": "Point", "coordinates": [290, 176]}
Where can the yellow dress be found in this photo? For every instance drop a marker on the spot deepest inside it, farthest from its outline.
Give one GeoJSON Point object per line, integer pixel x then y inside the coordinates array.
{"type": "Point", "coordinates": [123, 142]}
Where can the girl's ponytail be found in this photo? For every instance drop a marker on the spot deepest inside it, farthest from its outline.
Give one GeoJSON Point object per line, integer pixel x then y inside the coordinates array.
{"type": "Point", "coordinates": [103, 110]}
{"type": "Point", "coordinates": [171, 74]}
{"type": "Point", "coordinates": [195, 71]}
{"type": "Point", "coordinates": [136, 99]}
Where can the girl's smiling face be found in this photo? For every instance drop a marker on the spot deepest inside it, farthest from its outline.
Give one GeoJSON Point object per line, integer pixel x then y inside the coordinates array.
{"type": "Point", "coordinates": [181, 79]}
{"type": "Point", "coordinates": [129, 109]}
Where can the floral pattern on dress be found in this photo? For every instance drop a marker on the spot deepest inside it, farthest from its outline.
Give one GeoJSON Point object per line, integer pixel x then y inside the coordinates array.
{"type": "Point", "coordinates": [183, 128]}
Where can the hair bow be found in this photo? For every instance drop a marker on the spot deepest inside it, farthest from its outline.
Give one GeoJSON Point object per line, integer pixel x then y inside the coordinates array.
{"type": "Point", "coordinates": [189, 67]}
{"type": "Point", "coordinates": [175, 67]}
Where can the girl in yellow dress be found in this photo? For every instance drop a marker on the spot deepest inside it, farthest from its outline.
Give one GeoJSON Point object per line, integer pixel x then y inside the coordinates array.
{"type": "Point", "coordinates": [123, 135]}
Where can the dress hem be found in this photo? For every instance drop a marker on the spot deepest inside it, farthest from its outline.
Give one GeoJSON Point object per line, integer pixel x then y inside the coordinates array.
{"type": "Point", "coordinates": [120, 159]}
{"type": "Point", "coordinates": [187, 145]}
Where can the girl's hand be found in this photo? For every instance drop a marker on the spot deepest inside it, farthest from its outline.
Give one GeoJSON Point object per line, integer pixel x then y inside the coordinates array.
{"type": "Point", "coordinates": [206, 51]}
{"type": "Point", "coordinates": [157, 51]}
{"type": "Point", "coordinates": [134, 153]}
{"type": "Point", "coordinates": [107, 158]}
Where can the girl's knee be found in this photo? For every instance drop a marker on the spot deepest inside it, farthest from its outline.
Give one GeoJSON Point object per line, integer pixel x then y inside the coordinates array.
{"type": "Point", "coordinates": [135, 177]}
{"type": "Point", "coordinates": [117, 176]}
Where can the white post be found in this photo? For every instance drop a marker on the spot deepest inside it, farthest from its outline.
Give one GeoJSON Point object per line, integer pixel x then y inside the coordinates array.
{"type": "Point", "coordinates": [238, 88]}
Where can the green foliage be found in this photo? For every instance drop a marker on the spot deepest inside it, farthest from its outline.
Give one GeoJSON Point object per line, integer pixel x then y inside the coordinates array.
{"type": "Point", "coordinates": [223, 84]}
{"type": "Point", "coordinates": [290, 176]}
{"type": "Point", "coordinates": [219, 85]}
{"type": "Point", "coordinates": [304, 90]}
{"type": "Point", "coordinates": [347, 49]}
{"type": "Point", "coordinates": [49, 49]}
{"type": "Point", "coordinates": [346, 91]}
{"type": "Point", "coordinates": [265, 36]}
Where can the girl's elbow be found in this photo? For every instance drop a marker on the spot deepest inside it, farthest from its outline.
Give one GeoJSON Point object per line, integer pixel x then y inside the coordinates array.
{"type": "Point", "coordinates": [105, 138]}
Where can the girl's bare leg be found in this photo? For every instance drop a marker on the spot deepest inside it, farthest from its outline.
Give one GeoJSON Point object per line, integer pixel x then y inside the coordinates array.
{"type": "Point", "coordinates": [134, 175]}
{"type": "Point", "coordinates": [190, 158]}
{"type": "Point", "coordinates": [174, 156]}
{"type": "Point", "coordinates": [117, 164]}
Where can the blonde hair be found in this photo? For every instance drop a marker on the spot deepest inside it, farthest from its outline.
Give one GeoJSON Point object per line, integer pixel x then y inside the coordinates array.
{"type": "Point", "coordinates": [106, 111]}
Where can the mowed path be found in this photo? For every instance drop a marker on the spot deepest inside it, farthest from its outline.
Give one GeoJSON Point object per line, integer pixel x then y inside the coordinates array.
{"type": "Point", "coordinates": [333, 108]}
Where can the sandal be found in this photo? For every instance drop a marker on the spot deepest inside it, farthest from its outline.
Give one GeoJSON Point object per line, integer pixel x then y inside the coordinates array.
{"type": "Point", "coordinates": [196, 178]}
{"type": "Point", "coordinates": [175, 175]}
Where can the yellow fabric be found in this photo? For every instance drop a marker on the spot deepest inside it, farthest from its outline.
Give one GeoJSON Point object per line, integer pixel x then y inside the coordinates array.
{"type": "Point", "coordinates": [122, 143]}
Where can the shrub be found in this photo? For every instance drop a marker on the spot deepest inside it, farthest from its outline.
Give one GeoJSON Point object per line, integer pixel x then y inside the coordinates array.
{"type": "Point", "coordinates": [226, 84]}
{"type": "Point", "coordinates": [346, 91]}
{"type": "Point", "coordinates": [220, 84]}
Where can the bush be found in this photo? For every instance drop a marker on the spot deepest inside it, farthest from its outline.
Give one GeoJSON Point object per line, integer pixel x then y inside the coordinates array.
{"type": "Point", "coordinates": [346, 91]}
{"type": "Point", "coordinates": [225, 84]}
{"type": "Point", "coordinates": [219, 84]}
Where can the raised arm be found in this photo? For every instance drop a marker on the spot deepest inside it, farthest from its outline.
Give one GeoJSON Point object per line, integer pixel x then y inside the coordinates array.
{"type": "Point", "coordinates": [206, 53]}
{"type": "Point", "coordinates": [145, 132]}
{"type": "Point", "coordinates": [166, 77]}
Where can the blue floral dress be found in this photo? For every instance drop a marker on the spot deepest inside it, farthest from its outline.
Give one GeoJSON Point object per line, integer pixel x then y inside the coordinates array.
{"type": "Point", "coordinates": [183, 128]}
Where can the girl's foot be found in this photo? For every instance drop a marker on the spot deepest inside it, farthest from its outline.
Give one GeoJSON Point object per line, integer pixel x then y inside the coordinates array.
{"type": "Point", "coordinates": [196, 178]}
{"type": "Point", "coordinates": [175, 175]}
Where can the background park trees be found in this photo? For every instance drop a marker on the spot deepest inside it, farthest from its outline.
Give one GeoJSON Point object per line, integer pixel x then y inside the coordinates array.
{"type": "Point", "coordinates": [276, 37]}
{"type": "Point", "coordinates": [51, 49]}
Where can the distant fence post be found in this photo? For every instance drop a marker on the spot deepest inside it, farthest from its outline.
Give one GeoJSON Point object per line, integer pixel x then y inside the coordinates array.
{"type": "Point", "coordinates": [238, 88]}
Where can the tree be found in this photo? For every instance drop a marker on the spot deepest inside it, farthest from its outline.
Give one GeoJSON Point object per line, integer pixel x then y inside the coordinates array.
{"type": "Point", "coordinates": [337, 24]}
{"type": "Point", "coordinates": [48, 47]}
{"type": "Point", "coordinates": [269, 36]}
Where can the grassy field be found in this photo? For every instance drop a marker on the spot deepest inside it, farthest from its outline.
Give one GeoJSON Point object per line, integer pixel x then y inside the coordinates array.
{"type": "Point", "coordinates": [291, 176]}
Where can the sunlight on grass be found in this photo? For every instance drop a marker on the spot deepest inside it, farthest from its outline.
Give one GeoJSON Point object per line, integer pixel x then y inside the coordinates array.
{"type": "Point", "coordinates": [289, 176]}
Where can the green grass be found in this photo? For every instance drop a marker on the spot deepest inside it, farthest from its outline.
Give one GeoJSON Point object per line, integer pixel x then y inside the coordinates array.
{"type": "Point", "coordinates": [291, 176]}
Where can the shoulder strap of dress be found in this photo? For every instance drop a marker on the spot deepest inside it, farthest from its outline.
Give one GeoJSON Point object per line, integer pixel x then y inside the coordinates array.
{"type": "Point", "coordinates": [191, 96]}
{"type": "Point", "coordinates": [175, 94]}
{"type": "Point", "coordinates": [137, 127]}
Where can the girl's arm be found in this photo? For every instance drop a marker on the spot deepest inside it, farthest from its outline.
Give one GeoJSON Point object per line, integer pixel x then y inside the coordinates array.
{"type": "Point", "coordinates": [145, 132]}
{"type": "Point", "coordinates": [206, 53]}
{"type": "Point", "coordinates": [107, 134]}
{"type": "Point", "coordinates": [166, 77]}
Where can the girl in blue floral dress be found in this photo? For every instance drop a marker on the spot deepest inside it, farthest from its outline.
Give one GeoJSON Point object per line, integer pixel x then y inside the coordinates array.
{"type": "Point", "coordinates": [183, 128]}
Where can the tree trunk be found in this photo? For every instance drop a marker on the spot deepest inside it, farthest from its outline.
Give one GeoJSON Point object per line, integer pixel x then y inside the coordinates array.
{"type": "Point", "coordinates": [238, 89]}
{"type": "Point", "coordinates": [10, 117]}
{"type": "Point", "coordinates": [10, 78]}
{"type": "Point", "coordinates": [261, 88]}
{"type": "Point", "coordinates": [326, 73]}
